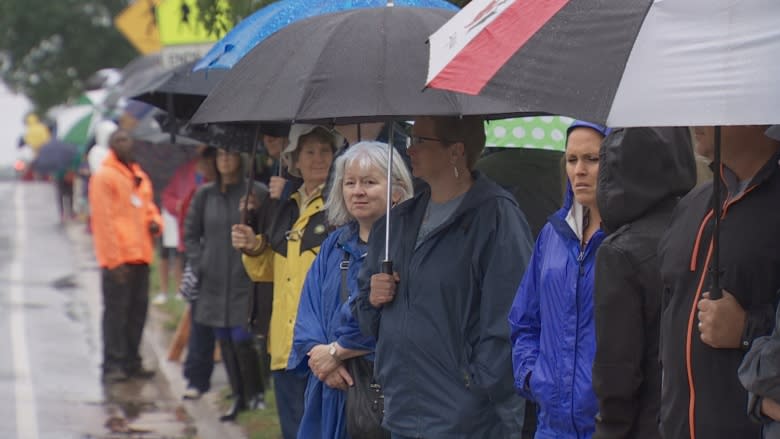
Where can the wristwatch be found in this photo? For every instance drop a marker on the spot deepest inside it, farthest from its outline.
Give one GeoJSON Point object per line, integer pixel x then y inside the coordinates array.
{"type": "Point", "coordinates": [332, 350]}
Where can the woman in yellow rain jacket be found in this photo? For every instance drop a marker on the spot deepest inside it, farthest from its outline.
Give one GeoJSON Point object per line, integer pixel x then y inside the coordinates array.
{"type": "Point", "coordinates": [286, 239]}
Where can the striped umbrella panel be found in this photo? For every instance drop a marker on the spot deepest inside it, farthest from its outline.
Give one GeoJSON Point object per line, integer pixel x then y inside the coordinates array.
{"type": "Point", "coordinates": [618, 62]}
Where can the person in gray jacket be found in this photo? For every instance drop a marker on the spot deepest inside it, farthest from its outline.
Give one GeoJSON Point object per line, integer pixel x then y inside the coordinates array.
{"type": "Point", "coordinates": [458, 250]}
{"type": "Point", "coordinates": [224, 287]}
{"type": "Point", "coordinates": [760, 374]}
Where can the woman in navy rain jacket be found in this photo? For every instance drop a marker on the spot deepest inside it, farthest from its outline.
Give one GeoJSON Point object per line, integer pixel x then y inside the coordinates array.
{"type": "Point", "coordinates": [553, 333]}
{"type": "Point", "coordinates": [459, 249]}
{"type": "Point", "coordinates": [326, 334]}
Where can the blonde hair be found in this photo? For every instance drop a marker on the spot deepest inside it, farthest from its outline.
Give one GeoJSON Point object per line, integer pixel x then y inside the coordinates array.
{"type": "Point", "coordinates": [367, 155]}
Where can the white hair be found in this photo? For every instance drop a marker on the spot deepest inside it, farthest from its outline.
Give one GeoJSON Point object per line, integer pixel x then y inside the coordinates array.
{"type": "Point", "coordinates": [367, 155]}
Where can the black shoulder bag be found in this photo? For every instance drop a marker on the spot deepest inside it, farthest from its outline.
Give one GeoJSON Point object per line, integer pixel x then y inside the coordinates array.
{"type": "Point", "coordinates": [365, 401]}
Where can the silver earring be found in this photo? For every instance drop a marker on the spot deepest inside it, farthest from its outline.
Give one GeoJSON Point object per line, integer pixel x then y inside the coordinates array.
{"type": "Point", "coordinates": [457, 174]}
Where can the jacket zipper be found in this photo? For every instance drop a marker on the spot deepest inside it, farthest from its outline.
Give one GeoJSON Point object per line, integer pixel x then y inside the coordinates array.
{"type": "Point", "coordinates": [692, 316]}
{"type": "Point", "coordinates": [580, 262]}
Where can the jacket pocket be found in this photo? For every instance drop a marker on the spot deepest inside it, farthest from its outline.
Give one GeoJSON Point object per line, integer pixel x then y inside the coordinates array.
{"type": "Point", "coordinates": [542, 385]}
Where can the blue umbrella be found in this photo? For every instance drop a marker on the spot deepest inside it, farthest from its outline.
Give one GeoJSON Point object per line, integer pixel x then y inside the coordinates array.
{"type": "Point", "coordinates": [55, 158]}
{"type": "Point", "coordinates": [258, 26]}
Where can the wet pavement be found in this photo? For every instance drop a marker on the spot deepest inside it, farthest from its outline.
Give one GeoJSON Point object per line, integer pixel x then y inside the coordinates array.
{"type": "Point", "coordinates": [50, 305]}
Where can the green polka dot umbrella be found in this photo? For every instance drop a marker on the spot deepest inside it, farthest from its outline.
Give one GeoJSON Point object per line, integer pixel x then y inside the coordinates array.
{"type": "Point", "coordinates": [537, 132]}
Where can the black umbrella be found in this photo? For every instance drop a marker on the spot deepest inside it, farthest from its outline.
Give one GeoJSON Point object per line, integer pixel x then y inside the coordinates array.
{"type": "Point", "coordinates": [362, 65]}
{"type": "Point", "coordinates": [179, 91]}
{"type": "Point", "coordinates": [356, 66]}
{"type": "Point", "coordinates": [55, 157]}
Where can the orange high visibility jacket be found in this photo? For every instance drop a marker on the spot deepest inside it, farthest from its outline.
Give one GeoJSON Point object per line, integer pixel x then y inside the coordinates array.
{"type": "Point", "coordinates": [122, 209]}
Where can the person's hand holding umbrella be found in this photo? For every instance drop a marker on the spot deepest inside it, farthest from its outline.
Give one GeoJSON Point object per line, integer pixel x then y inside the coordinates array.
{"type": "Point", "coordinates": [721, 322]}
{"type": "Point", "coordinates": [276, 187]}
{"type": "Point", "coordinates": [383, 288]}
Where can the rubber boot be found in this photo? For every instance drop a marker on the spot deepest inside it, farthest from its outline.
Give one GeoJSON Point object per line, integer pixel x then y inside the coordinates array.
{"type": "Point", "coordinates": [249, 364]}
{"type": "Point", "coordinates": [230, 359]}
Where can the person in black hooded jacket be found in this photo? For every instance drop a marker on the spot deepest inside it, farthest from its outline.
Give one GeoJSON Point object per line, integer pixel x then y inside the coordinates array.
{"type": "Point", "coordinates": [643, 174]}
{"type": "Point", "coordinates": [703, 341]}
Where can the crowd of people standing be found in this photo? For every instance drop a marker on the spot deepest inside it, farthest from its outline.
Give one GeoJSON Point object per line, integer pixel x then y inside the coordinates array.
{"type": "Point", "coordinates": [464, 327]}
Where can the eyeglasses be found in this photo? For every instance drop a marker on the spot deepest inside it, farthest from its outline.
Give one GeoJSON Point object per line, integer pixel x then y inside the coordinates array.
{"type": "Point", "coordinates": [416, 140]}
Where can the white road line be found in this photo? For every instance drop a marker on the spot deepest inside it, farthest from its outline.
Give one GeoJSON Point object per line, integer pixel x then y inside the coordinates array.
{"type": "Point", "coordinates": [26, 412]}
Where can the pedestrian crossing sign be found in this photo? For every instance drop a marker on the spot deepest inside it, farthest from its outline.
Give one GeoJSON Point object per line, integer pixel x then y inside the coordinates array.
{"type": "Point", "coordinates": [180, 22]}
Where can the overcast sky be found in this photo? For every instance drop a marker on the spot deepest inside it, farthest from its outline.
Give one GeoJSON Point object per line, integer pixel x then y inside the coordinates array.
{"type": "Point", "coordinates": [12, 109]}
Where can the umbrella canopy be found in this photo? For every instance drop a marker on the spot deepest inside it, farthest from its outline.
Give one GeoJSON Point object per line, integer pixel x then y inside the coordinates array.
{"type": "Point", "coordinates": [618, 62]}
{"type": "Point", "coordinates": [264, 22]}
{"type": "Point", "coordinates": [179, 91]}
{"type": "Point", "coordinates": [55, 157]}
{"type": "Point", "coordinates": [355, 66]}
{"type": "Point", "coordinates": [534, 132]}
{"type": "Point", "coordinates": [76, 123]}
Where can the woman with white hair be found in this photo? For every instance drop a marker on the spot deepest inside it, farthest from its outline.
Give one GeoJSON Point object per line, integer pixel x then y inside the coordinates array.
{"type": "Point", "coordinates": [326, 334]}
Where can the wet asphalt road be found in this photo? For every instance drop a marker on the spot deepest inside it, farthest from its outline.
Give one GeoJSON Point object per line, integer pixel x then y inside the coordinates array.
{"type": "Point", "coordinates": [50, 337]}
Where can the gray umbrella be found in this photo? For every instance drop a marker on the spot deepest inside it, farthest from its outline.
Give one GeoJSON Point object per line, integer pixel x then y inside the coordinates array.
{"type": "Point", "coordinates": [179, 91]}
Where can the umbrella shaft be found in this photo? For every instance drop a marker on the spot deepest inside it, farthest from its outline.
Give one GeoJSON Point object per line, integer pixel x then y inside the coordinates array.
{"type": "Point", "coordinates": [715, 290]}
{"type": "Point", "coordinates": [389, 190]}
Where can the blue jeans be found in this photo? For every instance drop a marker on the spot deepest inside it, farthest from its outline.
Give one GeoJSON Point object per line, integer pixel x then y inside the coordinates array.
{"type": "Point", "coordinates": [200, 354]}
{"type": "Point", "coordinates": [289, 389]}
{"type": "Point", "coordinates": [398, 436]}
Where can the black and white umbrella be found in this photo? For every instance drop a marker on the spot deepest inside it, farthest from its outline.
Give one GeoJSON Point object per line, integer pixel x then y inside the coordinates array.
{"type": "Point", "coordinates": [618, 62]}
{"type": "Point", "coordinates": [621, 63]}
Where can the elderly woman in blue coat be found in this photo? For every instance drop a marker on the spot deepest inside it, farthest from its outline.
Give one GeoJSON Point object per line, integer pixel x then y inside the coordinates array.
{"type": "Point", "coordinates": [326, 334]}
{"type": "Point", "coordinates": [458, 250]}
{"type": "Point", "coordinates": [553, 333]}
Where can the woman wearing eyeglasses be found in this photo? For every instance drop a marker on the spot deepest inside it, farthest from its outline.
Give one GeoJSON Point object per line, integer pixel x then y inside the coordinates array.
{"type": "Point", "coordinates": [286, 239]}
{"type": "Point", "coordinates": [459, 250]}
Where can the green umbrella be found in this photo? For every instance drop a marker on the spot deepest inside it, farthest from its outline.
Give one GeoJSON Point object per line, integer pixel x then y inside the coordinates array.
{"type": "Point", "coordinates": [528, 163]}
{"type": "Point", "coordinates": [537, 132]}
{"type": "Point", "coordinates": [76, 122]}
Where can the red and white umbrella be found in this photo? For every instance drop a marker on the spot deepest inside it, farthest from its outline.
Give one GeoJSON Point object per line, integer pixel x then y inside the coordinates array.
{"type": "Point", "coordinates": [618, 62]}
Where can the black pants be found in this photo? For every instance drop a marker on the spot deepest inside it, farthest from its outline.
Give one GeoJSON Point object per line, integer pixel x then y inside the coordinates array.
{"type": "Point", "coordinates": [199, 364]}
{"type": "Point", "coordinates": [124, 315]}
{"type": "Point", "coordinates": [64, 197]}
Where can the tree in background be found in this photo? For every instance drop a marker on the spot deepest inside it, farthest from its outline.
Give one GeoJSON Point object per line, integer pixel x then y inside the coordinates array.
{"type": "Point", "coordinates": [48, 48]}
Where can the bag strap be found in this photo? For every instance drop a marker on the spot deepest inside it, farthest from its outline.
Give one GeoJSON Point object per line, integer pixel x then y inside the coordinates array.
{"type": "Point", "coordinates": [344, 266]}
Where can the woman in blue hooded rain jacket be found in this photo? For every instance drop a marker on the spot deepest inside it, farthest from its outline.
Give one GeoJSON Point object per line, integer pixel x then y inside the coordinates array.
{"type": "Point", "coordinates": [326, 334]}
{"type": "Point", "coordinates": [553, 333]}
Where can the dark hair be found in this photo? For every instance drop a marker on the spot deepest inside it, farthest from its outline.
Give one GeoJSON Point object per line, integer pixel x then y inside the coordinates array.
{"type": "Point", "coordinates": [469, 130]}
{"type": "Point", "coordinates": [208, 152]}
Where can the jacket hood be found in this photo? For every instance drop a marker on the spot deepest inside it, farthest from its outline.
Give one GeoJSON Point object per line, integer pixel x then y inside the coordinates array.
{"type": "Point", "coordinates": [640, 168]}
{"type": "Point", "coordinates": [103, 132]}
{"type": "Point", "coordinates": [572, 212]}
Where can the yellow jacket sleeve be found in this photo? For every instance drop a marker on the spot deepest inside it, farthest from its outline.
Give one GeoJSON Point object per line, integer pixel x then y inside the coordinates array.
{"type": "Point", "coordinates": [260, 268]}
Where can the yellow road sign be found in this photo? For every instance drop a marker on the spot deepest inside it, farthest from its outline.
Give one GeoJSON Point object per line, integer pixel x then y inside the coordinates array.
{"type": "Point", "coordinates": [180, 22]}
{"type": "Point", "coordinates": [138, 23]}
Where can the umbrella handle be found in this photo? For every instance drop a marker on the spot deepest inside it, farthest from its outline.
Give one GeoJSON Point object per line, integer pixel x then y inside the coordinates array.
{"type": "Point", "coordinates": [387, 267]}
